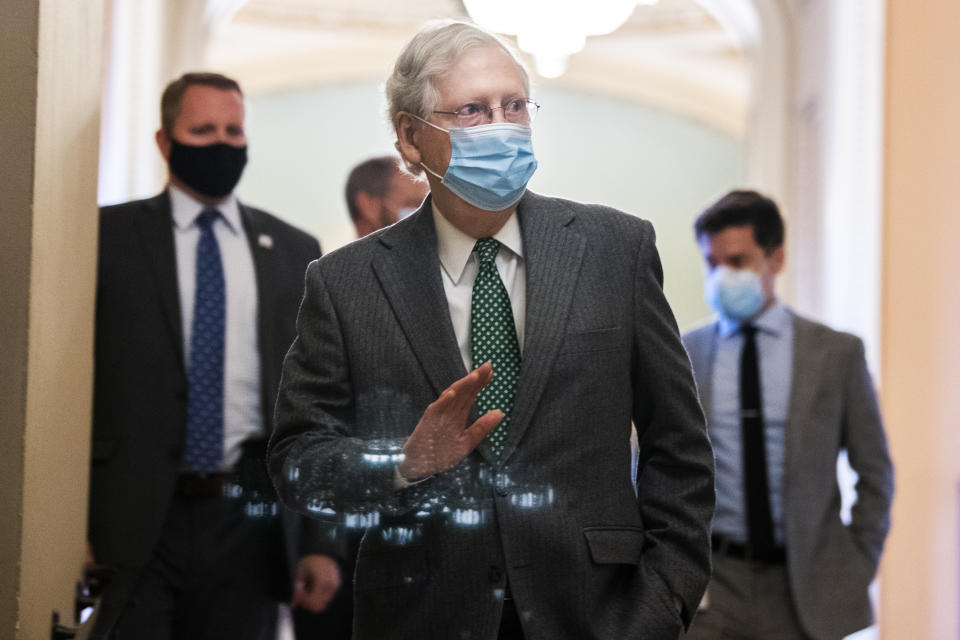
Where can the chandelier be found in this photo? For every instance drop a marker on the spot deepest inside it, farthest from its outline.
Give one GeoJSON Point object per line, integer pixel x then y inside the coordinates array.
{"type": "Point", "coordinates": [552, 30]}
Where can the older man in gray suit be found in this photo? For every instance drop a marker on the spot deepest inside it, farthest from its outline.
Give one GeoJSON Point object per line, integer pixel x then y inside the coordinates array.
{"type": "Point", "coordinates": [499, 502]}
{"type": "Point", "coordinates": [783, 396]}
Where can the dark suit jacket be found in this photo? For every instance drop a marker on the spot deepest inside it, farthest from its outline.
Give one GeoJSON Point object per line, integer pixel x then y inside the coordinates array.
{"type": "Point", "coordinates": [832, 407]}
{"type": "Point", "coordinates": [587, 553]}
{"type": "Point", "coordinates": [140, 386]}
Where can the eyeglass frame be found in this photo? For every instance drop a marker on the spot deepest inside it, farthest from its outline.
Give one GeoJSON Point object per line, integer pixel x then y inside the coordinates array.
{"type": "Point", "coordinates": [489, 110]}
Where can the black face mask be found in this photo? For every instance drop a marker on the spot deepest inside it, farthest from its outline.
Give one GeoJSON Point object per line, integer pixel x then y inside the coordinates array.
{"type": "Point", "coordinates": [212, 170]}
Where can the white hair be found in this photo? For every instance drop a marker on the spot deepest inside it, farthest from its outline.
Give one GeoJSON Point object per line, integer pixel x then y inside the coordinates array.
{"type": "Point", "coordinates": [427, 57]}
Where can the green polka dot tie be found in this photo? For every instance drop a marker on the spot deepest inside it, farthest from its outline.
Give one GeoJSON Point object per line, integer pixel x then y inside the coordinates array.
{"type": "Point", "coordinates": [493, 337]}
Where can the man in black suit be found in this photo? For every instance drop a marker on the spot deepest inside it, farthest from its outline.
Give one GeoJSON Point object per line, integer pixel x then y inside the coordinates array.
{"type": "Point", "coordinates": [197, 296]}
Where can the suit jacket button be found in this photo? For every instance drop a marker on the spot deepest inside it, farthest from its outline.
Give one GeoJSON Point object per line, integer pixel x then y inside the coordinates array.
{"type": "Point", "coordinates": [495, 573]}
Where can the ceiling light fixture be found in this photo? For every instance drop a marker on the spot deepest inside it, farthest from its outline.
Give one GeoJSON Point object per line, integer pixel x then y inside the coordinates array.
{"type": "Point", "coordinates": [552, 30]}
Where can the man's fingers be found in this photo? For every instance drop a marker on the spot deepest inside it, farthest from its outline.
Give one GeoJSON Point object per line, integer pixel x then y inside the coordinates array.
{"type": "Point", "coordinates": [299, 593]}
{"type": "Point", "coordinates": [481, 427]}
{"type": "Point", "coordinates": [315, 602]}
{"type": "Point", "coordinates": [485, 372]}
{"type": "Point", "coordinates": [316, 583]}
{"type": "Point", "coordinates": [443, 402]}
{"type": "Point", "coordinates": [318, 601]}
{"type": "Point", "coordinates": [476, 380]}
{"type": "Point", "coordinates": [460, 396]}
{"type": "Point", "coordinates": [450, 403]}
{"type": "Point", "coordinates": [470, 385]}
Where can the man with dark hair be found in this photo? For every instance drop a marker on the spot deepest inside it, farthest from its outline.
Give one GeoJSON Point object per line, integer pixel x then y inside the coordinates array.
{"type": "Point", "coordinates": [783, 396]}
{"type": "Point", "coordinates": [378, 193]}
{"type": "Point", "coordinates": [171, 101]}
{"type": "Point", "coordinates": [197, 295]}
{"type": "Point", "coordinates": [743, 208]}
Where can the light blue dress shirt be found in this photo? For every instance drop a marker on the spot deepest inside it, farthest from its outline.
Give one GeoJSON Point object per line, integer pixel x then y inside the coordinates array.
{"type": "Point", "coordinates": [775, 355]}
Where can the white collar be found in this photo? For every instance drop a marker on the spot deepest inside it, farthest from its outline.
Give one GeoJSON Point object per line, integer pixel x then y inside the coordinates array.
{"type": "Point", "coordinates": [455, 247]}
{"type": "Point", "coordinates": [774, 321]}
{"type": "Point", "coordinates": [185, 210]}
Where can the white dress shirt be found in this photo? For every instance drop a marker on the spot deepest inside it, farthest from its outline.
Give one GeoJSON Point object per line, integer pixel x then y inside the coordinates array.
{"type": "Point", "coordinates": [242, 415]}
{"type": "Point", "coordinates": [459, 265]}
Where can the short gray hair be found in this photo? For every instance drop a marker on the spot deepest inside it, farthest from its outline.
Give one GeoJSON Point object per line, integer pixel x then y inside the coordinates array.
{"type": "Point", "coordinates": [427, 57]}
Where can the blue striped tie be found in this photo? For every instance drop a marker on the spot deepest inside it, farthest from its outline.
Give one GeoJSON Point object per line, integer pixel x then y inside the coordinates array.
{"type": "Point", "coordinates": [204, 450]}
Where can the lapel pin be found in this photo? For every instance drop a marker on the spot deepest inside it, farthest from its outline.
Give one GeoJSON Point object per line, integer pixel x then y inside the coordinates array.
{"type": "Point", "coordinates": [265, 241]}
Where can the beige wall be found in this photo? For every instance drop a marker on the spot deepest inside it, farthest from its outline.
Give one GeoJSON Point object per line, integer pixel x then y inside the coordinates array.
{"type": "Point", "coordinates": [921, 319]}
{"type": "Point", "coordinates": [18, 37]}
{"type": "Point", "coordinates": [49, 130]}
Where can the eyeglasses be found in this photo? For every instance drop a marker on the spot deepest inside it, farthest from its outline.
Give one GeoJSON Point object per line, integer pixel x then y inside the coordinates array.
{"type": "Point", "coordinates": [517, 111]}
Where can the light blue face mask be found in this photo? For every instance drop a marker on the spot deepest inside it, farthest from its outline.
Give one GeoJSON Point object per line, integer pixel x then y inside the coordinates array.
{"type": "Point", "coordinates": [490, 164]}
{"type": "Point", "coordinates": [736, 294]}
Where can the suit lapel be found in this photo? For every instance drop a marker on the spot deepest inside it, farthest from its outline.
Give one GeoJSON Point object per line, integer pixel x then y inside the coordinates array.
{"type": "Point", "coordinates": [264, 267]}
{"type": "Point", "coordinates": [806, 356]}
{"type": "Point", "coordinates": [155, 226]}
{"type": "Point", "coordinates": [265, 270]}
{"type": "Point", "coordinates": [553, 253]}
{"type": "Point", "coordinates": [702, 355]}
{"type": "Point", "coordinates": [408, 269]}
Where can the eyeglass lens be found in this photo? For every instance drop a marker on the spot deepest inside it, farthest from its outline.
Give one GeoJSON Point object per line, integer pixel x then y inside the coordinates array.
{"type": "Point", "coordinates": [518, 111]}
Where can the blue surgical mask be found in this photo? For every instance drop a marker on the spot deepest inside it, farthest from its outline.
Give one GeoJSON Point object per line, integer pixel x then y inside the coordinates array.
{"type": "Point", "coordinates": [736, 294]}
{"type": "Point", "coordinates": [490, 164]}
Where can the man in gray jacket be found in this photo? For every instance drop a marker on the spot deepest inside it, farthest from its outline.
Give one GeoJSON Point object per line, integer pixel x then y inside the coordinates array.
{"type": "Point", "coordinates": [463, 384]}
{"type": "Point", "coordinates": [783, 397]}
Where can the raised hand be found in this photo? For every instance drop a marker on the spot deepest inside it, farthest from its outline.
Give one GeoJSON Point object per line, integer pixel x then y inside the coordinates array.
{"type": "Point", "coordinates": [442, 439]}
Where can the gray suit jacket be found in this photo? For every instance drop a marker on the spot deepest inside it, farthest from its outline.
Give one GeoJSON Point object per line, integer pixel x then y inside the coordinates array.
{"type": "Point", "coordinates": [832, 407]}
{"type": "Point", "coordinates": [557, 515]}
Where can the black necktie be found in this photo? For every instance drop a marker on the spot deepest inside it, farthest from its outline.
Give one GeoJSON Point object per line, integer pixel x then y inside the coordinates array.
{"type": "Point", "coordinates": [759, 522]}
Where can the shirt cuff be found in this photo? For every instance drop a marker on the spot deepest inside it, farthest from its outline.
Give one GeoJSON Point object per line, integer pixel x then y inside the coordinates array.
{"type": "Point", "coordinates": [399, 482]}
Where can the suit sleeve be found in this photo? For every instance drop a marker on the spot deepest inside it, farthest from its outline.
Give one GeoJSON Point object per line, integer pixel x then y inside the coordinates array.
{"type": "Point", "coordinates": [866, 446]}
{"type": "Point", "coordinates": [675, 485]}
{"type": "Point", "coordinates": [319, 536]}
{"type": "Point", "coordinates": [317, 463]}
